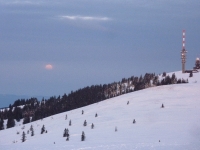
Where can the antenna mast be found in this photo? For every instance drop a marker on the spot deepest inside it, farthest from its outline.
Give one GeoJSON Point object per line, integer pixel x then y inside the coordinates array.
{"type": "Point", "coordinates": [183, 53]}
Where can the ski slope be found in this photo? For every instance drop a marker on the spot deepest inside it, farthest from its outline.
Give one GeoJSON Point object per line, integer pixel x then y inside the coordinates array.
{"type": "Point", "coordinates": [174, 127]}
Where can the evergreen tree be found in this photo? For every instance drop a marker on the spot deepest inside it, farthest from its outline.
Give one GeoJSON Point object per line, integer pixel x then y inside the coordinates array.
{"type": "Point", "coordinates": [83, 136]}
{"type": "Point", "coordinates": [42, 129]}
{"type": "Point", "coordinates": [70, 123]}
{"type": "Point", "coordinates": [32, 131]}
{"type": "Point", "coordinates": [162, 106]}
{"type": "Point", "coordinates": [191, 74]}
{"type": "Point", "coordinates": [134, 121]}
{"type": "Point", "coordinates": [10, 122]}
{"type": "Point", "coordinates": [1, 124]}
{"type": "Point", "coordinates": [66, 133]}
{"type": "Point", "coordinates": [26, 120]}
{"type": "Point", "coordinates": [23, 137]}
{"type": "Point", "coordinates": [92, 126]}
{"type": "Point", "coordinates": [164, 74]}
{"type": "Point", "coordinates": [96, 115]}
{"type": "Point", "coordinates": [85, 123]}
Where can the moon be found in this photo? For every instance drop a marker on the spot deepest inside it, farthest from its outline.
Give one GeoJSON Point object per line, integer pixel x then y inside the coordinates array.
{"type": "Point", "coordinates": [49, 67]}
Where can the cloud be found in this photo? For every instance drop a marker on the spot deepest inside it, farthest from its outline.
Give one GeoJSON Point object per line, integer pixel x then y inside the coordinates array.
{"type": "Point", "coordinates": [85, 18]}
{"type": "Point", "coordinates": [21, 2]}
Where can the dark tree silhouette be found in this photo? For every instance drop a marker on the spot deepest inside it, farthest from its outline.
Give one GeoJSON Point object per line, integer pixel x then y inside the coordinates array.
{"type": "Point", "coordinates": [83, 136]}
{"type": "Point", "coordinates": [42, 129]}
{"type": "Point", "coordinates": [23, 137]}
{"type": "Point", "coordinates": [32, 130]}
{"type": "Point", "coordinates": [10, 122]}
{"type": "Point", "coordinates": [92, 126]}
{"type": "Point", "coordinates": [26, 120]}
{"type": "Point", "coordinates": [1, 124]}
{"type": "Point", "coordinates": [70, 123]}
{"type": "Point", "coordinates": [162, 106]}
{"type": "Point", "coordinates": [191, 74]}
{"type": "Point", "coordinates": [66, 133]}
{"type": "Point", "coordinates": [85, 123]}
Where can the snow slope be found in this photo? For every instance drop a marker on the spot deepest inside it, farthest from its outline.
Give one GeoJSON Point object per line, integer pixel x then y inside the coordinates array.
{"type": "Point", "coordinates": [175, 127]}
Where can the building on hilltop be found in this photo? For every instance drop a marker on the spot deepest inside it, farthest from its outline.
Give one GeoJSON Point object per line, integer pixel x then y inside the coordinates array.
{"type": "Point", "coordinates": [197, 64]}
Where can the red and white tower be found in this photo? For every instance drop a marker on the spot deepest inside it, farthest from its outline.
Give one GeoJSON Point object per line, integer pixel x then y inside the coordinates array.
{"type": "Point", "coordinates": [183, 53]}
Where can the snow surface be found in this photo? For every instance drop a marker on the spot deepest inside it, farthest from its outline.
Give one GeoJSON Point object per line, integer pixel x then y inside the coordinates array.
{"type": "Point", "coordinates": [174, 127]}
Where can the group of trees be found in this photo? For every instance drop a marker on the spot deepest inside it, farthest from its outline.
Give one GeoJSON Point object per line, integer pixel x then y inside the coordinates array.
{"type": "Point", "coordinates": [32, 109]}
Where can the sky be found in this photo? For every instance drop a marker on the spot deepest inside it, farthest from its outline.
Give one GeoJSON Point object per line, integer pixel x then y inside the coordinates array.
{"type": "Point", "coordinates": [49, 47]}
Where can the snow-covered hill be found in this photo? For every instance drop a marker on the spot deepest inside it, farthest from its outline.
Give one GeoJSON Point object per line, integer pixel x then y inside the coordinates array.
{"type": "Point", "coordinates": [176, 126]}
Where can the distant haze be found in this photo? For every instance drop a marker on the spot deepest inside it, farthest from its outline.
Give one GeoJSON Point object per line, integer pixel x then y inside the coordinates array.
{"type": "Point", "coordinates": [6, 100]}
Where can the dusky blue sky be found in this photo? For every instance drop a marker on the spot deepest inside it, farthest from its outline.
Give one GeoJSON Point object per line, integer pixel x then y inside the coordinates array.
{"type": "Point", "coordinates": [91, 42]}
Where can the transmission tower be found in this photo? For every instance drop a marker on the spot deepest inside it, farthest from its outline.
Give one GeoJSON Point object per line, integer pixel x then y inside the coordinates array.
{"type": "Point", "coordinates": [183, 53]}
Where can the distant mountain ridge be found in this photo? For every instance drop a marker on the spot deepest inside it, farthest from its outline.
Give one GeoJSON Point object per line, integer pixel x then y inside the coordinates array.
{"type": "Point", "coordinates": [7, 99]}
{"type": "Point", "coordinates": [32, 109]}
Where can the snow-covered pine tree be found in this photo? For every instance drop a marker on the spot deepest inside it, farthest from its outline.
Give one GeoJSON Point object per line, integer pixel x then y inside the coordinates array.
{"type": "Point", "coordinates": [92, 126]}
{"type": "Point", "coordinates": [23, 137]}
{"type": "Point", "coordinates": [10, 122]}
{"type": "Point", "coordinates": [42, 129]}
{"type": "Point", "coordinates": [32, 131]}
{"type": "Point", "coordinates": [1, 124]}
{"type": "Point", "coordinates": [66, 133]}
{"type": "Point", "coordinates": [162, 106]}
{"type": "Point", "coordinates": [70, 123]}
{"type": "Point", "coordinates": [85, 123]}
{"type": "Point", "coordinates": [191, 74]}
{"type": "Point", "coordinates": [83, 136]}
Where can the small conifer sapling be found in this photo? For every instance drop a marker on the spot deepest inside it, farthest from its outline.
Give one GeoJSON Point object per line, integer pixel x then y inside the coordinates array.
{"type": "Point", "coordinates": [92, 126]}
{"type": "Point", "coordinates": [23, 137]}
{"type": "Point", "coordinates": [83, 136]}
{"type": "Point", "coordinates": [85, 123]}
{"type": "Point", "coordinates": [42, 129]}
{"type": "Point", "coordinates": [70, 123]}
{"type": "Point", "coordinates": [162, 106]}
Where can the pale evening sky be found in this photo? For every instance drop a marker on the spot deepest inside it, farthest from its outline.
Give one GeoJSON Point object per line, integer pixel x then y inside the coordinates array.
{"type": "Point", "coordinates": [51, 47]}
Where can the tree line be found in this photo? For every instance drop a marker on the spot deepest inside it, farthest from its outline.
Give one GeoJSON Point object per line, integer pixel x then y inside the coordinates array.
{"type": "Point", "coordinates": [32, 109]}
